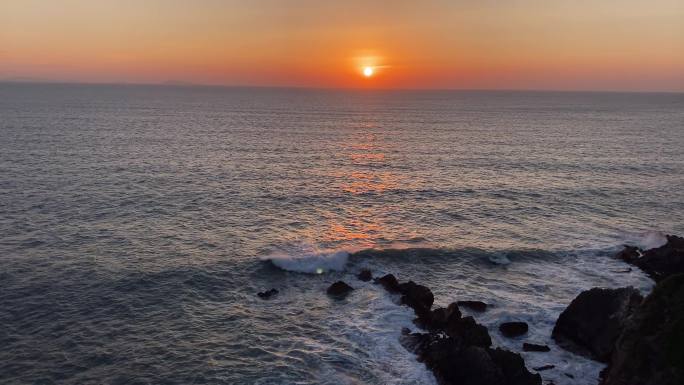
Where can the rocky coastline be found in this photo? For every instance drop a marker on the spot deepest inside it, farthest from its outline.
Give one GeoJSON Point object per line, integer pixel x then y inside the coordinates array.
{"type": "Point", "coordinates": [640, 339]}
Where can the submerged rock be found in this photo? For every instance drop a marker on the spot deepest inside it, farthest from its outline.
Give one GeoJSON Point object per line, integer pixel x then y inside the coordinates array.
{"type": "Point", "coordinates": [473, 305]}
{"type": "Point", "coordinates": [650, 350]}
{"type": "Point", "coordinates": [527, 347]}
{"type": "Point", "coordinates": [513, 329]}
{"type": "Point", "coordinates": [592, 322]}
{"type": "Point", "coordinates": [267, 294]}
{"type": "Point", "coordinates": [544, 367]}
{"type": "Point", "coordinates": [365, 275]}
{"type": "Point", "coordinates": [660, 262]}
{"type": "Point", "coordinates": [339, 289]}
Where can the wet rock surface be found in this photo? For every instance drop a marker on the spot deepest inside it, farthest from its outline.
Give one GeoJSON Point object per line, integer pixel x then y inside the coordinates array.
{"type": "Point", "coordinates": [660, 262]}
{"type": "Point", "coordinates": [473, 305]}
{"type": "Point", "coordinates": [456, 349]}
{"type": "Point", "coordinates": [339, 289]}
{"type": "Point", "coordinates": [592, 322]}
{"type": "Point", "coordinates": [513, 329]}
{"type": "Point", "coordinates": [650, 350]}
{"type": "Point", "coordinates": [389, 282]}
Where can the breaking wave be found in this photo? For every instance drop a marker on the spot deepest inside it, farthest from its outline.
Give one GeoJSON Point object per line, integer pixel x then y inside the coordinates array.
{"type": "Point", "coordinates": [309, 260]}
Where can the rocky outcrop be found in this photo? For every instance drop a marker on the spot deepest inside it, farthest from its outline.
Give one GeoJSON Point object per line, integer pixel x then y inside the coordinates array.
{"type": "Point", "coordinates": [267, 294]}
{"type": "Point", "coordinates": [438, 319]}
{"type": "Point", "coordinates": [455, 361]}
{"type": "Point", "coordinates": [457, 349]}
{"type": "Point", "coordinates": [660, 262]}
{"type": "Point", "coordinates": [478, 306]}
{"type": "Point", "coordinates": [389, 282]}
{"type": "Point", "coordinates": [339, 289]}
{"type": "Point", "coordinates": [416, 296]}
{"type": "Point", "coordinates": [592, 322]}
{"type": "Point", "coordinates": [513, 329]}
{"type": "Point", "coordinates": [650, 350]}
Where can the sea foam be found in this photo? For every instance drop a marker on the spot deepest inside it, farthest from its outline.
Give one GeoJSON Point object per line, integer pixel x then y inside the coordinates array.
{"type": "Point", "coordinates": [651, 240]}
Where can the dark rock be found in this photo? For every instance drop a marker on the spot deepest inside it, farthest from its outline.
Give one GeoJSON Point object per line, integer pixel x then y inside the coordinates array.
{"type": "Point", "coordinates": [267, 294]}
{"type": "Point", "coordinates": [454, 362]}
{"type": "Point", "coordinates": [468, 332]}
{"type": "Point", "coordinates": [365, 275]}
{"type": "Point", "coordinates": [457, 349]}
{"type": "Point", "coordinates": [438, 319]}
{"type": "Point", "coordinates": [389, 282]}
{"type": "Point", "coordinates": [629, 254]}
{"type": "Point", "coordinates": [416, 296]}
{"type": "Point", "coordinates": [650, 350]}
{"type": "Point", "coordinates": [415, 342]}
{"type": "Point", "coordinates": [660, 262]}
{"type": "Point", "coordinates": [513, 329]}
{"type": "Point", "coordinates": [513, 367]}
{"type": "Point", "coordinates": [568, 375]}
{"type": "Point", "coordinates": [339, 289]}
{"type": "Point", "coordinates": [545, 367]}
{"type": "Point", "coordinates": [663, 261]}
{"type": "Point", "coordinates": [474, 305]}
{"type": "Point", "coordinates": [535, 348]}
{"type": "Point", "coordinates": [592, 322]}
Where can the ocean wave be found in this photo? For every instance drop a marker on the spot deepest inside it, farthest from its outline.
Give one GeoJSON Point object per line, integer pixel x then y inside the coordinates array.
{"type": "Point", "coordinates": [311, 261]}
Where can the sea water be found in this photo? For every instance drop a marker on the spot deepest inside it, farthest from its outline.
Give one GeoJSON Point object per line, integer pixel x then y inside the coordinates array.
{"type": "Point", "coordinates": [137, 224]}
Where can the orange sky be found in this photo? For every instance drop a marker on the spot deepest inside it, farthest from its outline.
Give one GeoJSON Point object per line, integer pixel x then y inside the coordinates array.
{"type": "Point", "coordinates": [516, 44]}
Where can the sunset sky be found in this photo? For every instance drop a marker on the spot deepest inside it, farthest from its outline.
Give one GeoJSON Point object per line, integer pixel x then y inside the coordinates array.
{"type": "Point", "coordinates": [519, 44]}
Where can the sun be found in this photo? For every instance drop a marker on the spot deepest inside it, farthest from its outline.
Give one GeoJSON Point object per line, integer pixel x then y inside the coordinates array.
{"type": "Point", "coordinates": [368, 71]}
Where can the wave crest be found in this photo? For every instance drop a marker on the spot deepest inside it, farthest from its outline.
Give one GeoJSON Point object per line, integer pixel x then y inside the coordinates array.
{"type": "Point", "coordinates": [310, 261]}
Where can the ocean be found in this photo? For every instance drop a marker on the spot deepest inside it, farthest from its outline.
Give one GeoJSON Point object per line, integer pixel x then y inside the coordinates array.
{"type": "Point", "coordinates": [137, 224]}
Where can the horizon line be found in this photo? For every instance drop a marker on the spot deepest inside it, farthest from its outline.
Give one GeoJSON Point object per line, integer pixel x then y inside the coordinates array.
{"type": "Point", "coordinates": [180, 84]}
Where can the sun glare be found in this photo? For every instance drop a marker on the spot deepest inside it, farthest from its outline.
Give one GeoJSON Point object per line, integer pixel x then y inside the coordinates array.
{"type": "Point", "coordinates": [368, 72]}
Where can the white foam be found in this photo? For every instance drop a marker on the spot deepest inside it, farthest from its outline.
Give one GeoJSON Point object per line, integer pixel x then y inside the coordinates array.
{"type": "Point", "coordinates": [651, 240]}
{"type": "Point", "coordinates": [309, 260]}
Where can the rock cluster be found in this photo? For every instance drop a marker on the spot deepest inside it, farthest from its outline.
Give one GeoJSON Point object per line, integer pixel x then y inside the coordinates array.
{"type": "Point", "coordinates": [455, 348]}
{"type": "Point", "coordinates": [642, 340]}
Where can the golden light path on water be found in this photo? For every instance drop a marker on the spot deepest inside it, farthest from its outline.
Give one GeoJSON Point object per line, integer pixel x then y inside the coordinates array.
{"type": "Point", "coordinates": [365, 174]}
